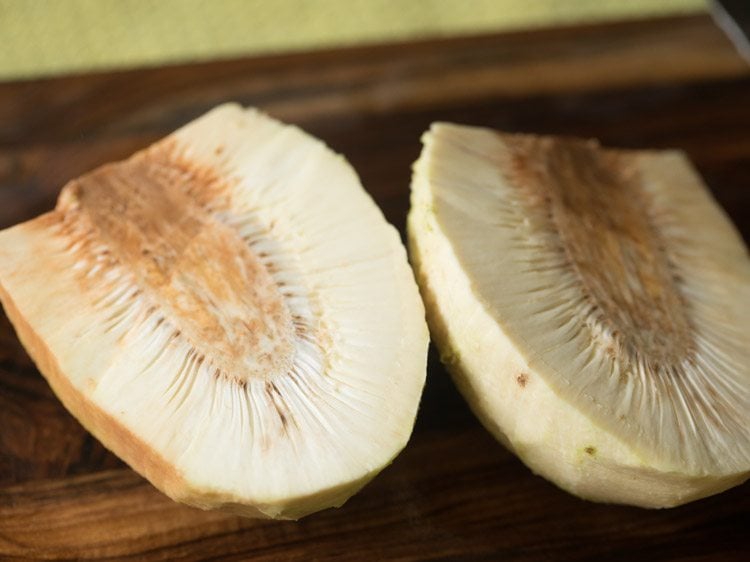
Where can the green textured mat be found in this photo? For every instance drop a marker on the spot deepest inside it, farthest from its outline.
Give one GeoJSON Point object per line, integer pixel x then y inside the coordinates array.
{"type": "Point", "coordinates": [50, 37]}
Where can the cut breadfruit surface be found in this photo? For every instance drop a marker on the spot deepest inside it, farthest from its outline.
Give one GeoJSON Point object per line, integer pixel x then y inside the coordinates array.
{"type": "Point", "coordinates": [229, 312]}
{"type": "Point", "coordinates": [593, 306]}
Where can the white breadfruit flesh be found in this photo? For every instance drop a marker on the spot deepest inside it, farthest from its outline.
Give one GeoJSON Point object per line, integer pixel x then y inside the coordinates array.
{"type": "Point", "coordinates": [593, 306]}
{"type": "Point", "coordinates": [229, 312]}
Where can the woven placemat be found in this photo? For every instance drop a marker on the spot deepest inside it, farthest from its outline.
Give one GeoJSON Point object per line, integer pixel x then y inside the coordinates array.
{"type": "Point", "coordinates": [52, 37]}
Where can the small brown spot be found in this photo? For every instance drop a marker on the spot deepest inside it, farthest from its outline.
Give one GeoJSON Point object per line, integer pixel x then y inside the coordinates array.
{"type": "Point", "coordinates": [219, 150]}
{"type": "Point", "coordinates": [590, 450]}
{"type": "Point", "coordinates": [522, 380]}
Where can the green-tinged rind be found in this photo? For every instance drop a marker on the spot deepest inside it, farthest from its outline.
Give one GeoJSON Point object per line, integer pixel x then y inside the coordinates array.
{"type": "Point", "coordinates": [504, 379]}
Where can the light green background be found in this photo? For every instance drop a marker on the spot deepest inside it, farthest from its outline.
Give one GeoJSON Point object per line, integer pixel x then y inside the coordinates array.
{"type": "Point", "coordinates": [50, 37]}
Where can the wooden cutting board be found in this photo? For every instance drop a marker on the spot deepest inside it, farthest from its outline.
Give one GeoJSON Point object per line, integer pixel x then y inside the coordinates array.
{"type": "Point", "coordinates": [454, 493]}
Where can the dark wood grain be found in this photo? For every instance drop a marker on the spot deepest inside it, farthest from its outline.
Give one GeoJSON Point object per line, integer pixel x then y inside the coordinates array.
{"type": "Point", "coordinates": [454, 493]}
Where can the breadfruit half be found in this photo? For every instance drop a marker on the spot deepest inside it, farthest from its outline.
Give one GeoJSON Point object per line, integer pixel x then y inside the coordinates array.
{"type": "Point", "coordinates": [594, 308]}
{"type": "Point", "coordinates": [229, 312]}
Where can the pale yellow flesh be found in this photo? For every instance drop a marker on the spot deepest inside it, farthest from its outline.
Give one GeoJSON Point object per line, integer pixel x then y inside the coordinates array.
{"type": "Point", "coordinates": [553, 381]}
{"type": "Point", "coordinates": [230, 313]}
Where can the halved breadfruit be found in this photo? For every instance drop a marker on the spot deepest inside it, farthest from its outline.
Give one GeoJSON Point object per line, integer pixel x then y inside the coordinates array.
{"type": "Point", "coordinates": [593, 306]}
{"type": "Point", "coordinates": [229, 312]}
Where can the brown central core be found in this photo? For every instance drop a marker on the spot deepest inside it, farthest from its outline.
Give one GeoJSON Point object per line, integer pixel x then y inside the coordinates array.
{"type": "Point", "coordinates": [147, 211]}
{"type": "Point", "coordinates": [600, 212]}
